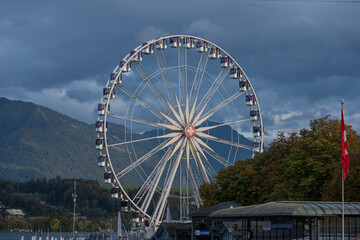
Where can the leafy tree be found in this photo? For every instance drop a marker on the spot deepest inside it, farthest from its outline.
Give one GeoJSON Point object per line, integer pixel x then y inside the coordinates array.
{"type": "Point", "coordinates": [298, 166]}
{"type": "Point", "coordinates": [55, 225]}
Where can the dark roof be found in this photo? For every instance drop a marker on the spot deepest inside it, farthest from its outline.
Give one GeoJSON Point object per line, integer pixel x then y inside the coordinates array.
{"type": "Point", "coordinates": [170, 228]}
{"type": "Point", "coordinates": [207, 211]}
{"type": "Point", "coordinates": [290, 209]}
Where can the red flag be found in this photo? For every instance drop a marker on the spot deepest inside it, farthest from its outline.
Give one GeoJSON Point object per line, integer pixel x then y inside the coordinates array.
{"type": "Point", "coordinates": [344, 148]}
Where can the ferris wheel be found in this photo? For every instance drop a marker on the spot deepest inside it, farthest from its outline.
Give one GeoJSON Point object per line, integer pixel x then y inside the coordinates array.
{"type": "Point", "coordinates": [183, 109]}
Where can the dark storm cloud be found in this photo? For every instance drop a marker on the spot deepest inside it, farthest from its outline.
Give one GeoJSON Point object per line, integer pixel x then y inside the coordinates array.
{"type": "Point", "coordinates": [300, 56]}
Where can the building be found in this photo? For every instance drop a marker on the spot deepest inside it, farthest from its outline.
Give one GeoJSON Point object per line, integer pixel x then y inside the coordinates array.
{"type": "Point", "coordinates": [15, 212]}
{"type": "Point", "coordinates": [287, 220]}
{"type": "Point", "coordinates": [204, 226]}
{"type": "Point", "coordinates": [170, 231]}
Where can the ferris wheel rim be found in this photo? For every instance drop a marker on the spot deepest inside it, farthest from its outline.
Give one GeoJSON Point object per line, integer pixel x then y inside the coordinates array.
{"type": "Point", "coordinates": [119, 71]}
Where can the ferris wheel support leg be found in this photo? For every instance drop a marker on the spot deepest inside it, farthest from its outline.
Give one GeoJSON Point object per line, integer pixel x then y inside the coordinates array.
{"type": "Point", "coordinates": [198, 159]}
{"type": "Point", "coordinates": [165, 194]}
{"type": "Point", "coordinates": [147, 201]}
{"type": "Point", "coordinates": [198, 200]}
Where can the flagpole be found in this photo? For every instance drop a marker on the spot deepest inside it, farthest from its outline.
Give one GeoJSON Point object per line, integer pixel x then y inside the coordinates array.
{"type": "Point", "coordinates": [342, 190]}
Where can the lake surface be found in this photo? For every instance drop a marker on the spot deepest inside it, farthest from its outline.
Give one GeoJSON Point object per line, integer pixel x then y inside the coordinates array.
{"type": "Point", "coordinates": [29, 235]}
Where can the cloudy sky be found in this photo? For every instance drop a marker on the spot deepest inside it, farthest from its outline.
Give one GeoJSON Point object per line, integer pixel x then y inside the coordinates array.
{"type": "Point", "coordinates": [301, 56]}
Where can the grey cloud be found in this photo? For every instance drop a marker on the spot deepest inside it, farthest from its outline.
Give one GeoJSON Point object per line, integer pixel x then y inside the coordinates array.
{"type": "Point", "coordinates": [299, 56]}
{"type": "Point", "coordinates": [149, 33]}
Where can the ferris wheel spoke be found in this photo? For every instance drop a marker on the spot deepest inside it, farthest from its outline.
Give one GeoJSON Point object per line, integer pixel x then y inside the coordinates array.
{"type": "Point", "coordinates": [161, 125]}
{"type": "Point", "coordinates": [173, 140]}
{"type": "Point", "coordinates": [196, 75]}
{"type": "Point", "coordinates": [171, 120]}
{"type": "Point", "coordinates": [200, 70]}
{"type": "Point", "coordinates": [151, 85]}
{"type": "Point", "coordinates": [169, 135]}
{"type": "Point", "coordinates": [198, 140]}
{"type": "Point", "coordinates": [178, 117]}
{"type": "Point", "coordinates": [180, 112]}
{"type": "Point", "coordinates": [166, 190]}
{"type": "Point", "coordinates": [218, 158]}
{"type": "Point", "coordinates": [206, 136]}
{"type": "Point", "coordinates": [202, 129]}
{"type": "Point", "coordinates": [217, 108]}
{"type": "Point", "coordinates": [166, 77]}
{"type": "Point", "coordinates": [195, 188]}
{"type": "Point", "coordinates": [209, 169]}
{"type": "Point", "coordinates": [150, 179]}
{"type": "Point", "coordinates": [158, 171]}
{"type": "Point", "coordinates": [180, 65]}
{"type": "Point", "coordinates": [139, 161]}
{"type": "Point", "coordinates": [214, 87]}
{"type": "Point", "coordinates": [197, 158]}
{"type": "Point", "coordinates": [197, 117]}
{"type": "Point", "coordinates": [192, 110]}
{"type": "Point", "coordinates": [215, 82]}
{"type": "Point", "coordinates": [140, 101]}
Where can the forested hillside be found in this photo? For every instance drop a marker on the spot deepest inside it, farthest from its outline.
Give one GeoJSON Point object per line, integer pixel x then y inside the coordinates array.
{"type": "Point", "coordinates": [46, 202]}
{"type": "Point", "coordinates": [302, 165]}
{"type": "Point", "coordinates": [37, 142]}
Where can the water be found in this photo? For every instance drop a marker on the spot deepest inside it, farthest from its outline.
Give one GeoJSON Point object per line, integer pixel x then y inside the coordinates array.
{"type": "Point", "coordinates": [29, 235]}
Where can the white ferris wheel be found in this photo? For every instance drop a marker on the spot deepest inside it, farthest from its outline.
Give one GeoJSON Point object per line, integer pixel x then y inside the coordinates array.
{"type": "Point", "coordinates": [188, 109]}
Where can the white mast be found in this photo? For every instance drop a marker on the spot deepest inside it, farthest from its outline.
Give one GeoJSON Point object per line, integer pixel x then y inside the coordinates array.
{"type": "Point", "coordinates": [74, 199]}
{"type": "Point", "coordinates": [342, 188]}
{"type": "Point", "coordinates": [119, 233]}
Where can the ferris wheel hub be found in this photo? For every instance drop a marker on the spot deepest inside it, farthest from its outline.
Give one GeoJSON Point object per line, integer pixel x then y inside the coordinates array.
{"type": "Point", "coordinates": [190, 131]}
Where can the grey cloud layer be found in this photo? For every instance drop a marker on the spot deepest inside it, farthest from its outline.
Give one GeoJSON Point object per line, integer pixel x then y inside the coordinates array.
{"type": "Point", "coordinates": [300, 56]}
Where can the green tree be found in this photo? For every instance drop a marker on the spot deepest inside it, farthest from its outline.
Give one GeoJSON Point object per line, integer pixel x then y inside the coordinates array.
{"type": "Point", "coordinates": [303, 165]}
{"type": "Point", "coordinates": [55, 225]}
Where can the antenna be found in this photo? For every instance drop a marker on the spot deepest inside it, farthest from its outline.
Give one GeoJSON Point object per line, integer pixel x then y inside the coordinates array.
{"type": "Point", "coordinates": [74, 199]}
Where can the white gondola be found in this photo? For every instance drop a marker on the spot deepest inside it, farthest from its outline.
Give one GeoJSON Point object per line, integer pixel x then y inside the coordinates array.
{"type": "Point", "coordinates": [103, 161]}
{"type": "Point", "coordinates": [250, 100]}
{"type": "Point", "coordinates": [161, 44]}
{"type": "Point", "coordinates": [255, 115]}
{"type": "Point", "coordinates": [244, 85]}
{"type": "Point", "coordinates": [107, 93]}
{"type": "Point", "coordinates": [235, 73]}
{"type": "Point", "coordinates": [135, 57]}
{"type": "Point", "coordinates": [99, 126]}
{"type": "Point", "coordinates": [214, 53]}
{"type": "Point", "coordinates": [257, 131]}
{"type": "Point", "coordinates": [100, 143]}
{"type": "Point", "coordinates": [135, 217]}
{"type": "Point", "coordinates": [116, 192]}
{"type": "Point", "coordinates": [126, 67]}
{"type": "Point", "coordinates": [188, 42]}
{"type": "Point", "coordinates": [148, 49]}
{"type": "Point", "coordinates": [126, 206]}
{"type": "Point", "coordinates": [109, 177]}
{"type": "Point", "coordinates": [201, 46]}
{"type": "Point", "coordinates": [256, 146]}
{"type": "Point", "coordinates": [175, 42]}
{"type": "Point", "coordinates": [225, 62]}
{"type": "Point", "coordinates": [115, 78]}
{"type": "Point", "coordinates": [102, 107]}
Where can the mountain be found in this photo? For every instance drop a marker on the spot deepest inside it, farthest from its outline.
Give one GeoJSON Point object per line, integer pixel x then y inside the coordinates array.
{"type": "Point", "coordinates": [37, 142]}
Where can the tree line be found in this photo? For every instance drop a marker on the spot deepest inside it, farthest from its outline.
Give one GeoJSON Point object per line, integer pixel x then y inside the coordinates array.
{"type": "Point", "coordinates": [300, 165]}
{"type": "Point", "coordinates": [48, 204]}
